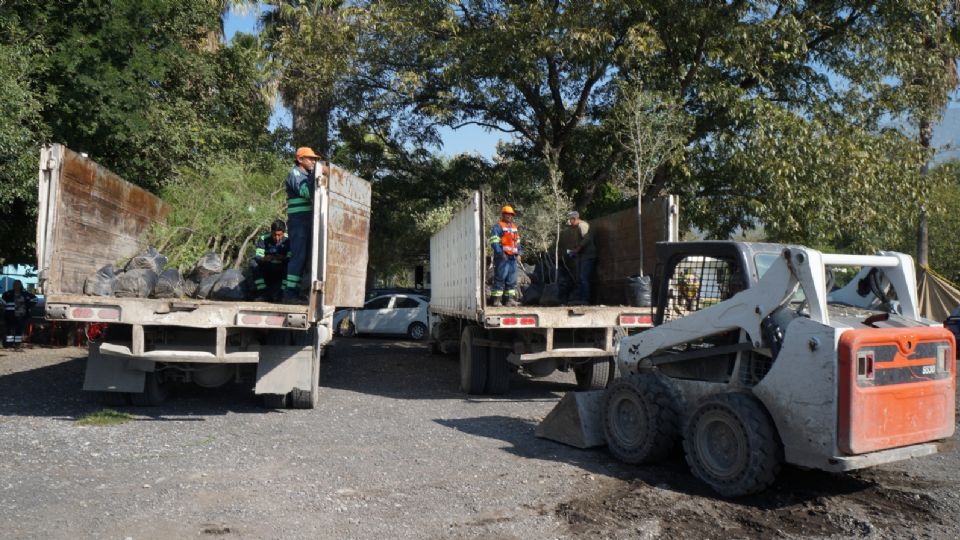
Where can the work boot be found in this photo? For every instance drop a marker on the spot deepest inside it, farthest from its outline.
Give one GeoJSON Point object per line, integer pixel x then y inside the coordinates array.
{"type": "Point", "coordinates": [495, 301]}
{"type": "Point", "coordinates": [511, 302]}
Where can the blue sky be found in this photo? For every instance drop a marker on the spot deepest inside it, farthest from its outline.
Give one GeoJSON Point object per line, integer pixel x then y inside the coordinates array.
{"type": "Point", "coordinates": [476, 140]}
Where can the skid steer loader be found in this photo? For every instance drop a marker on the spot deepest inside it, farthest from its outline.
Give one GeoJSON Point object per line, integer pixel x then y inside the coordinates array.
{"type": "Point", "coordinates": [750, 365]}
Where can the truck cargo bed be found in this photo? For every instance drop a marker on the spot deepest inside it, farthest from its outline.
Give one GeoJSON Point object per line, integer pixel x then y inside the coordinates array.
{"type": "Point", "coordinates": [175, 312]}
{"type": "Point", "coordinates": [560, 316]}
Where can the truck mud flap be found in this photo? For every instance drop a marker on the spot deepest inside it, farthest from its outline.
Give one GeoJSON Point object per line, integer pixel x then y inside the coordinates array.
{"type": "Point", "coordinates": [281, 369]}
{"type": "Point", "coordinates": [106, 373]}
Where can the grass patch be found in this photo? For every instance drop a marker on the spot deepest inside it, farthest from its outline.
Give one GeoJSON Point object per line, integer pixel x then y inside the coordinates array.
{"type": "Point", "coordinates": [106, 417]}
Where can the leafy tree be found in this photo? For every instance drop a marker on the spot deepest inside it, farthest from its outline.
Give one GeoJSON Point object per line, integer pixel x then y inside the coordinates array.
{"type": "Point", "coordinates": [312, 46]}
{"type": "Point", "coordinates": [136, 84]}
{"type": "Point", "coordinates": [944, 221]}
{"type": "Point", "coordinates": [248, 199]}
{"type": "Point", "coordinates": [21, 129]}
{"type": "Point", "coordinates": [652, 130]}
{"type": "Point", "coordinates": [771, 86]}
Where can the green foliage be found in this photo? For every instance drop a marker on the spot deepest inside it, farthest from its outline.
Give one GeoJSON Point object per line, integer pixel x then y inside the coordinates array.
{"type": "Point", "coordinates": [139, 85]}
{"type": "Point", "coordinates": [223, 209]}
{"type": "Point", "coordinates": [21, 129]}
{"type": "Point", "coordinates": [943, 222]}
{"type": "Point", "coordinates": [105, 417]}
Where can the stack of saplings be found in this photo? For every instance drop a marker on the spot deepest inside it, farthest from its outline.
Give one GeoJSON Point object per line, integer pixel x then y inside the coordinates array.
{"type": "Point", "coordinates": [144, 276]}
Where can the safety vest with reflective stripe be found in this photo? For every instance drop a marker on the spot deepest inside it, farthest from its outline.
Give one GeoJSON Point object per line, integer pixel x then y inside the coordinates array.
{"type": "Point", "coordinates": [299, 191]}
{"type": "Point", "coordinates": [266, 245]}
{"type": "Point", "coordinates": [505, 238]}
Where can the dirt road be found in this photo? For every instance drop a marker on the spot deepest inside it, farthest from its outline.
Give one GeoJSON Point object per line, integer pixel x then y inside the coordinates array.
{"type": "Point", "coordinates": [394, 451]}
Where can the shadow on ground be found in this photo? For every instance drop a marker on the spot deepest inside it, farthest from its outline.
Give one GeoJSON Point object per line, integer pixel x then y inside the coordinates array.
{"type": "Point", "coordinates": [403, 369]}
{"type": "Point", "coordinates": [56, 390]}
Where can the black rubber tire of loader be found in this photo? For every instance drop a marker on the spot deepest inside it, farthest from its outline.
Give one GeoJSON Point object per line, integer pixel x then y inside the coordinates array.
{"type": "Point", "coordinates": [595, 374]}
{"type": "Point", "coordinates": [732, 445]}
{"type": "Point", "coordinates": [474, 361]}
{"type": "Point", "coordinates": [642, 418]}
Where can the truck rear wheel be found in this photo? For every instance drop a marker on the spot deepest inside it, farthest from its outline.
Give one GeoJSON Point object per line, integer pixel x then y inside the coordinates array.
{"type": "Point", "coordinates": [641, 418]}
{"type": "Point", "coordinates": [474, 361]}
{"type": "Point", "coordinates": [155, 391]}
{"type": "Point", "coordinates": [274, 401]}
{"type": "Point", "coordinates": [498, 372]}
{"type": "Point", "coordinates": [307, 399]}
{"type": "Point", "coordinates": [595, 374]}
{"type": "Point", "coordinates": [731, 444]}
{"type": "Point", "coordinates": [116, 399]}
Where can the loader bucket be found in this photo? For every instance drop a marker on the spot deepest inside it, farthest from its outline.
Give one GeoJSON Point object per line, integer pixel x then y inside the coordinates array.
{"type": "Point", "coordinates": [577, 420]}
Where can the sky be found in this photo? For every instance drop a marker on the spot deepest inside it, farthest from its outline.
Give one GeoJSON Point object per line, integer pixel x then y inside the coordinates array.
{"type": "Point", "coordinates": [476, 140]}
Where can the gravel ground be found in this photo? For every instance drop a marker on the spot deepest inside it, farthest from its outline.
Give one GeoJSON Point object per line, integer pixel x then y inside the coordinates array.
{"type": "Point", "coordinates": [393, 451]}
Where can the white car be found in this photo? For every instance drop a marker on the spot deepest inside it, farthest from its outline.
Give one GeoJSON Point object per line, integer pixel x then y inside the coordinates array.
{"type": "Point", "coordinates": [386, 314]}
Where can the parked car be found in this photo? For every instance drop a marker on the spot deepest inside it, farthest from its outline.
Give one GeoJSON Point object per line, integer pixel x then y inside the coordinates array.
{"type": "Point", "coordinates": [385, 314]}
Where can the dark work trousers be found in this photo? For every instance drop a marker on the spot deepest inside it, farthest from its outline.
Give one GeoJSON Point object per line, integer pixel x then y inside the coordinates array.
{"type": "Point", "coordinates": [268, 277]}
{"type": "Point", "coordinates": [300, 232]}
{"type": "Point", "coordinates": [579, 276]}
{"type": "Point", "coordinates": [504, 276]}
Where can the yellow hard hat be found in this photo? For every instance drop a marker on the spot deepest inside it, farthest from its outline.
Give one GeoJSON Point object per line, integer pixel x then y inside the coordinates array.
{"type": "Point", "coordinates": [507, 210]}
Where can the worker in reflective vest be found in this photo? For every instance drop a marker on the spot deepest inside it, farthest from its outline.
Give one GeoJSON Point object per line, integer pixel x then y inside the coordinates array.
{"type": "Point", "coordinates": [505, 241]}
{"type": "Point", "coordinates": [269, 264]}
{"type": "Point", "coordinates": [300, 186]}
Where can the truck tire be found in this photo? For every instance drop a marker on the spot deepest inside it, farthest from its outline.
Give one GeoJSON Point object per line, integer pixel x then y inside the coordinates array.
{"type": "Point", "coordinates": [731, 444]}
{"type": "Point", "coordinates": [641, 418]}
{"type": "Point", "coordinates": [498, 372]}
{"type": "Point", "coordinates": [473, 361]}
{"type": "Point", "coordinates": [596, 374]}
{"type": "Point", "coordinates": [417, 331]}
{"type": "Point", "coordinates": [274, 401]}
{"type": "Point", "coordinates": [307, 399]}
{"type": "Point", "coordinates": [116, 399]}
{"type": "Point", "coordinates": [154, 392]}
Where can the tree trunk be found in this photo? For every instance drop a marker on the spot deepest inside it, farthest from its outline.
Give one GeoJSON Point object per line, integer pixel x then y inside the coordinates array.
{"type": "Point", "coordinates": [923, 246]}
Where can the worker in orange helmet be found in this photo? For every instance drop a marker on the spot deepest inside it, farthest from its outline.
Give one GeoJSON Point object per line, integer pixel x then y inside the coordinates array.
{"type": "Point", "coordinates": [505, 241]}
{"type": "Point", "coordinates": [300, 186]}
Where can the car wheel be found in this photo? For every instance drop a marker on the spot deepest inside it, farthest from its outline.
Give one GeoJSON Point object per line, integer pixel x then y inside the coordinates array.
{"type": "Point", "coordinates": [348, 329]}
{"type": "Point", "coordinates": [417, 331]}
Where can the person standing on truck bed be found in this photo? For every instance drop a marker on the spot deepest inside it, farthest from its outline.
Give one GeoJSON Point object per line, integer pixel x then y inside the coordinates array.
{"type": "Point", "coordinates": [300, 187]}
{"type": "Point", "coordinates": [505, 240]}
{"type": "Point", "coordinates": [579, 256]}
{"type": "Point", "coordinates": [269, 264]}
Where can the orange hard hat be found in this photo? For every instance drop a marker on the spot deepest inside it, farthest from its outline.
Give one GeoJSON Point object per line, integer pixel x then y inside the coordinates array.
{"type": "Point", "coordinates": [306, 152]}
{"type": "Point", "coordinates": [507, 210]}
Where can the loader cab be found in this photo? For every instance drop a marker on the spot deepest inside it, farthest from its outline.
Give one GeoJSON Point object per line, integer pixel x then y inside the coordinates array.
{"type": "Point", "coordinates": [691, 276]}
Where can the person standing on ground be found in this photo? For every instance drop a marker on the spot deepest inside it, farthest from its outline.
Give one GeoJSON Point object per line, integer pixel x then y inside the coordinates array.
{"type": "Point", "coordinates": [300, 185]}
{"type": "Point", "coordinates": [17, 304]}
{"type": "Point", "coordinates": [580, 257]}
{"type": "Point", "coordinates": [269, 264]}
{"type": "Point", "coordinates": [505, 241]}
